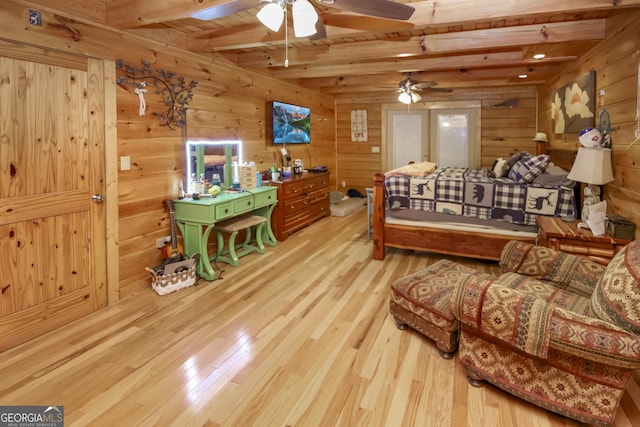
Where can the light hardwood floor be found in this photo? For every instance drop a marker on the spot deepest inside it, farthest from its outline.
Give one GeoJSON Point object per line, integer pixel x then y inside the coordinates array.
{"type": "Point", "coordinates": [298, 336]}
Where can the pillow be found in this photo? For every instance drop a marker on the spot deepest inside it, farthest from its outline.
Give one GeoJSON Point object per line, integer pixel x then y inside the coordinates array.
{"type": "Point", "coordinates": [616, 298]}
{"type": "Point", "coordinates": [499, 168]}
{"type": "Point", "coordinates": [526, 170]}
{"type": "Point", "coordinates": [335, 197]}
{"type": "Point", "coordinates": [554, 176]}
{"type": "Point", "coordinates": [516, 158]}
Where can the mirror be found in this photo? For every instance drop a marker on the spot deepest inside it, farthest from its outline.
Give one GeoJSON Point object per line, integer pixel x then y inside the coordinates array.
{"type": "Point", "coordinates": [210, 157]}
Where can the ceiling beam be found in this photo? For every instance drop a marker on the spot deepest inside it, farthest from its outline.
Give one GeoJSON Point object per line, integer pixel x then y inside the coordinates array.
{"type": "Point", "coordinates": [450, 78]}
{"type": "Point", "coordinates": [131, 14]}
{"type": "Point", "coordinates": [458, 12]}
{"type": "Point", "coordinates": [446, 43]}
{"type": "Point", "coordinates": [498, 59]}
{"type": "Point", "coordinates": [430, 14]}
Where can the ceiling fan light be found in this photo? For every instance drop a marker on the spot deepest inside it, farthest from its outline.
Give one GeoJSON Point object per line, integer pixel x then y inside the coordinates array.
{"type": "Point", "coordinates": [415, 97]}
{"type": "Point", "coordinates": [404, 97]}
{"type": "Point", "coordinates": [305, 18]}
{"type": "Point", "coordinates": [271, 16]}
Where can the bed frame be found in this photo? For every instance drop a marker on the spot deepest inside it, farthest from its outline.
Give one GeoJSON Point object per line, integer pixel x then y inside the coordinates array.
{"type": "Point", "coordinates": [460, 242]}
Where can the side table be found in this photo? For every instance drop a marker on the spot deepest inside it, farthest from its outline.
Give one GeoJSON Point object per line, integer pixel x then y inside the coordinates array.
{"type": "Point", "coordinates": [565, 236]}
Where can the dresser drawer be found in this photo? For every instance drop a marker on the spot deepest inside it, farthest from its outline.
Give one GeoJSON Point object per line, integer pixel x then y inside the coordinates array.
{"type": "Point", "coordinates": [294, 190]}
{"type": "Point", "coordinates": [318, 210]}
{"type": "Point", "coordinates": [318, 196]}
{"type": "Point", "coordinates": [296, 219]}
{"type": "Point", "coordinates": [292, 206]}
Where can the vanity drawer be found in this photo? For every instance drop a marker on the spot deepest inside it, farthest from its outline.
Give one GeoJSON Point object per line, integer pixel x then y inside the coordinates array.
{"type": "Point", "coordinates": [223, 211]}
{"type": "Point", "coordinates": [243, 205]}
{"type": "Point", "coordinates": [265, 199]}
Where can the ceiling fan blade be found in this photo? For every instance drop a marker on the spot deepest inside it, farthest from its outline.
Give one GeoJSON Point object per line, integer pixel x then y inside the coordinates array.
{"type": "Point", "coordinates": [440, 89]}
{"type": "Point", "coordinates": [423, 85]}
{"type": "Point", "coordinates": [225, 9]}
{"type": "Point", "coordinates": [321, 31]}
{"type": "Point", "coordinates": [365, 23]}
{"type": "Point", "coordinates": [380, 8]}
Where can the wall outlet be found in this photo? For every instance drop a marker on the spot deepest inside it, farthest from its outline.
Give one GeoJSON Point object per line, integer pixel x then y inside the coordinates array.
{"type": "Point", "coordinates": [344, 184]}
{"type": "Point", "coordinates": [162, 241]}
{"type": "Point", "coordinates": [125, 163]}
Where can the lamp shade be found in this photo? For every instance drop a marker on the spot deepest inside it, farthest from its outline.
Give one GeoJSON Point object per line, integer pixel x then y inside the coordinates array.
{"type": "Point", "coordinates": [271, 16]}
{"type": "Point", "coordinates": [305, 18]}
{"type": "Point", "coordinates": [592, 166]}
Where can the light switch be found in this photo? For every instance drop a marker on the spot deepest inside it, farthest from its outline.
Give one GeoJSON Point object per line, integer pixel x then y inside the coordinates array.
{"type": "Point", "coordinates": [125, 163]}
{"type": "Point", "coordinates": [375, 149]}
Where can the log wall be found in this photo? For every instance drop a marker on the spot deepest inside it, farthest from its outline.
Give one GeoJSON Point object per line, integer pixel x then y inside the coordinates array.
{"type": "Point", "coordinates": [615, 62]}
{"type": "Point", "coordinates": [504, 131]}
{"type": "Point", "coordinates": [228, 103]}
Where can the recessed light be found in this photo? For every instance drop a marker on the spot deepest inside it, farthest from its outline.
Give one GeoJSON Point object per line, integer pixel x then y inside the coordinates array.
{"type": "Point", "coordinates": [522, 76]}
{"type": "Point", "coordinates": [539, 56]}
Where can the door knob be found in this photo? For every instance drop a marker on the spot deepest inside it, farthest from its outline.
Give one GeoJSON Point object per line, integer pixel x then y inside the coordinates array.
{"type": "Point", "coordinates": [99, 198]}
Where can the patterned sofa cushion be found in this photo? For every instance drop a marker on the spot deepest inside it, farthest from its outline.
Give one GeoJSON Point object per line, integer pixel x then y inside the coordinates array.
{"type": "Point", "coordinates": [616, 298]}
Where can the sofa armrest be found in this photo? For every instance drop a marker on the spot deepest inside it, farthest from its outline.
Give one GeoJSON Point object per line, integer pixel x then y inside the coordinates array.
{"type": "Point", "coordinates": [518, 319]}
{"type": "Point", "coordinates": [594, 339]}
{"type": "Point", "coordinates": [529, 324]}
{"type": "Point", "coordinates": [566, 271]}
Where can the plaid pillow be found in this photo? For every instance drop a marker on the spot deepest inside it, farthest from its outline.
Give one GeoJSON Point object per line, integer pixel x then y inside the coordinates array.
{"type": "Point", "coordinates": [527, 170]}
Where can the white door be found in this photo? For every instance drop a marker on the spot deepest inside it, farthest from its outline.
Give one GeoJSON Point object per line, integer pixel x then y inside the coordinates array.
{"type": "Point", "coordinates": [453, 138]}
{"type": "Point", "coordinates": [408, 137]}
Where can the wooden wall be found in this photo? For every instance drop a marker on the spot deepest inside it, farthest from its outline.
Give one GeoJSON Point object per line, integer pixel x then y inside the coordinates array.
{"type": "Point", "coordinates": [228, 103]}
{"type": "Point", "coordinates": [615, 62]}
{"type": "Point", "coordinates": [504, 131]}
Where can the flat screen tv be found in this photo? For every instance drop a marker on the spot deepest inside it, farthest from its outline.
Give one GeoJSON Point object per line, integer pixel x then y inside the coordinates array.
{"type": "Point", "coordinates": [291, 123]}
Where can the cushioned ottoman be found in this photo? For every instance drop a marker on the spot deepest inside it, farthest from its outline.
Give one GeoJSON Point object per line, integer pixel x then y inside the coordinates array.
{"type": "Point", "coordinates": [422, 300]}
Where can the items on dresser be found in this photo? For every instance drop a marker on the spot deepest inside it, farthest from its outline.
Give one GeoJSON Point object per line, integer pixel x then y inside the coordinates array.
{"type": "Point", "coordinates": [621, 228]}
{"type": "Point", "coordinates": [302, 200]}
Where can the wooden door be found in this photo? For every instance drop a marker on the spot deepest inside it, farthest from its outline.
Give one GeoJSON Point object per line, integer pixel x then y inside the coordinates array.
{"type": "Point", "coordinates": [52, 235]}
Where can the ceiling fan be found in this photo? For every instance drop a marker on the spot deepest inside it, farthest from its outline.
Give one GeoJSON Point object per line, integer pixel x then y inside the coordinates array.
{"type": "Point", "coordinates": [304, 14]}
{"type": "Point", "coordinates": [409, 89]}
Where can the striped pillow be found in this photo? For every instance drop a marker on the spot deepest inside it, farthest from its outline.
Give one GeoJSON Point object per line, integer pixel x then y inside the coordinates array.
{"type": "Point", "coordinates": [526, 170]}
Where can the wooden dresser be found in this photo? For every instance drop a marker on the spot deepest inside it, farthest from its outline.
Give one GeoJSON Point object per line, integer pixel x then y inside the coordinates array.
{"type": "Point", "coordinates": [302, 199]}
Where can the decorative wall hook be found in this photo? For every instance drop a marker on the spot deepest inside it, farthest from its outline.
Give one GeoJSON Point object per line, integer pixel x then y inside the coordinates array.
{"type": "Point", "coordinates": [544, 32]}
{"type": "Point", "coordinates": [175, 91]}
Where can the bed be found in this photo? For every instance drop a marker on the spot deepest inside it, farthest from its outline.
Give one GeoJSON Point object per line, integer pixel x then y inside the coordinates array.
{"type": "Point", "coordinates": [442, 212]}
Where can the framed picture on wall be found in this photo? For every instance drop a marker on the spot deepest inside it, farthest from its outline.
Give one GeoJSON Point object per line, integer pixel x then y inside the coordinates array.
{"type": "Point", "coordinates": [573, 105]}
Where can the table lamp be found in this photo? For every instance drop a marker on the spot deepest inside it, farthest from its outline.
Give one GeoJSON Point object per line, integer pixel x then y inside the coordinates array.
{"type": "Point", "coordinates": [593, 167]}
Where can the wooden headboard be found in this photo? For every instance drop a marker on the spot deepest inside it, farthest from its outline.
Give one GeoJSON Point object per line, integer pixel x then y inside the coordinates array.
{"type": "Point", "coordinates": [563, 157]}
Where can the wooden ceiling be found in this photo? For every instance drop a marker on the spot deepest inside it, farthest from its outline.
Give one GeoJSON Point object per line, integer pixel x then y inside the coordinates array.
{"type": "Point", "coordinates": [456, 43]}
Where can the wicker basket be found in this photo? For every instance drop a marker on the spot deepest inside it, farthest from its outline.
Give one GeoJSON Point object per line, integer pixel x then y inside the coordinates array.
{"type": "Point", "coordinates": [175, 276]}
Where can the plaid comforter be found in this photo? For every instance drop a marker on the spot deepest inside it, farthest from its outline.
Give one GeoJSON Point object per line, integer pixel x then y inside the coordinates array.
{"type": "Point", "coordinates": [472, 193]}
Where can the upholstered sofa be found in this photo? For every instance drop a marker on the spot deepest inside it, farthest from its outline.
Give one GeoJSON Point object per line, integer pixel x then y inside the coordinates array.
{"type": "Point", "coordinates": [554, 329]}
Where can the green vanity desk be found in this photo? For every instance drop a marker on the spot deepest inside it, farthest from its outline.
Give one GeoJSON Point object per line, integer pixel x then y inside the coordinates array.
{"type": "Point", "coordinates": [196, 220]}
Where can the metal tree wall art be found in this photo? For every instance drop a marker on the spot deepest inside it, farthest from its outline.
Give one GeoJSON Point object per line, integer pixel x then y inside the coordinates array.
{"type": "Point", "coordinates": [175, 91]}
